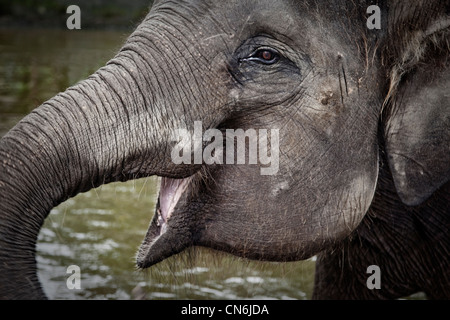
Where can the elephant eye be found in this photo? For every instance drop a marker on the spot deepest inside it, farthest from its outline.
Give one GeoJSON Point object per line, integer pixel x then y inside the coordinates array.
{"type": "Point", "coordinates": [264, 55]}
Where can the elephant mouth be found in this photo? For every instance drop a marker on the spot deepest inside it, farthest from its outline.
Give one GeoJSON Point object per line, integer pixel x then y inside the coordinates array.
{"type": "Point", "coordinates": [165, 237]}
{"type": "Point", "coordinates": [169, 194]}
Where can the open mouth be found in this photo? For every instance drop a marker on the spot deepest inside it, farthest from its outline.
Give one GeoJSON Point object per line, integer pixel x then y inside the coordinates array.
{"type": "Point", "coordinates": [169, 194]}
{"type": "Point", "coordinates": [165, 237]}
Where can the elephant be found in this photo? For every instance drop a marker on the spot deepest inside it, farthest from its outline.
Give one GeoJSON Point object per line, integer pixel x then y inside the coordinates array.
{"type": "Point", "coordinates": [362, 116]}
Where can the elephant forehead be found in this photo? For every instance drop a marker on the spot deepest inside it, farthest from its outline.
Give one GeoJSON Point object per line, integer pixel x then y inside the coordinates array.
{"type": "Point", "coordinates": [234, 20]}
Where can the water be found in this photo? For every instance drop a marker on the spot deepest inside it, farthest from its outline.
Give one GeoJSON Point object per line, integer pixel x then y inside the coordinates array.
{"type": "Point", "coordinates": [100, 231]}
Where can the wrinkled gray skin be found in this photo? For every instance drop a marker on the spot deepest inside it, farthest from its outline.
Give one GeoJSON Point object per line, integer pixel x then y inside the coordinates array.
{"type": "Point", "coordinates": [324, 90]}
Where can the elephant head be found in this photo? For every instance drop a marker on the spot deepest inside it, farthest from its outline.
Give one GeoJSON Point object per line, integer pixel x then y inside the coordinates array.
{"type": "Point", "coordinates": [311, 72]}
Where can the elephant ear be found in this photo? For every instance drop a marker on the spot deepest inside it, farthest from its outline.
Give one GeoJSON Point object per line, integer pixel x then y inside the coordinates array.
{"type": "Point", "coordinates": [417, 116]}
{"type": "Point", "coordinates": [417, 131]}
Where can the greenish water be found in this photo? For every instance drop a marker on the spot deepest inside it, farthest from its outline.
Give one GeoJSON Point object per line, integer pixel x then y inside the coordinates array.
{"type": "Point", "coordinates": [100, 231]}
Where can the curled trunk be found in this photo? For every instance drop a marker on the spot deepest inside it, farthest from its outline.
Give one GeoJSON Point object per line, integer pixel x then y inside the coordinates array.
{"type": "Point", "coordinates": [91, 134]}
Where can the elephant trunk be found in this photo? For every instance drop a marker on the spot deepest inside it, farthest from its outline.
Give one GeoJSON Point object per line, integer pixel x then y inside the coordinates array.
{"type": "Point", "coordinates": [109, 127]}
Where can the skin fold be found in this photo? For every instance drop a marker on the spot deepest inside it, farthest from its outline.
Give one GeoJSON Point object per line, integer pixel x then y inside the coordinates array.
{"type": "Point", "coordinates": [363, 122]}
